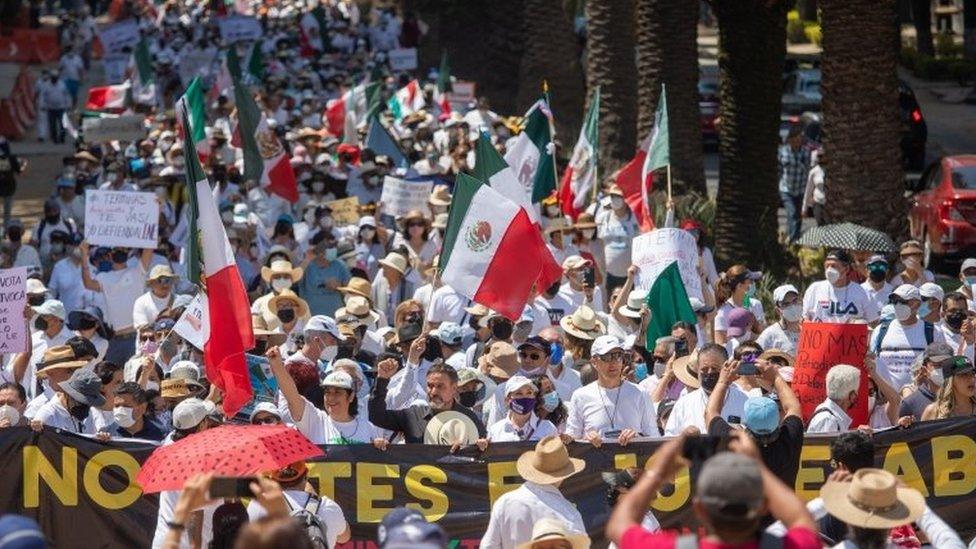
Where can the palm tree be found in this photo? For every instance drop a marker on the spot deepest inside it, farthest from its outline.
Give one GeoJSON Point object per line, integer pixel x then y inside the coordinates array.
{"type": "Point", "coordinates": [610, 65]}
{"type": "Point", "coordinates": [667, 51]}
{"type": "Point", "coordinates": [752, 49]}
{"type": "Point", "coordinates": [552, 53]}
{"type": "Point", "coordinates": [861, 114]}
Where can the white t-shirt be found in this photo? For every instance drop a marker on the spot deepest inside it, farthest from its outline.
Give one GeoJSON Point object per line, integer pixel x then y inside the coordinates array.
{"type": "Point", "coordinates": [721, 316]}
{"type": "Point", "coordinates": [879, 297]}
{"type": "Point", "coordinates": [954, 339]}
{"type": "Point", "coordinates": [775, 337]}
{"type": "Point", "coordinates": [121, 289]}
{"type": "Point", "coordinates": [548, 312]}
{"type": "Point", "coordinates": [147, 307]}
{"type": "Point", "coordinates": [825, 303]}
{"type": "Point", "coordinates": [690, 410]}
{"type": "Point", "coordinates": [595, 408]}
{"type": "Point", "coordinates": [927, 276]}
{"type": "Point", "coordinates": [577, 298]}
{"type": "Point", "coordinates": [66, 284]}
{"type": "Point", "coordinates": [898, 350]}
{"type": "Point", "coordinates": [617, 235]}
{"type": "Point", "coordinates": [447, 305]}
{"type": "Point", "coordinates": [328, 512]}
{"type": "Point", "coordinates": [322, 429]}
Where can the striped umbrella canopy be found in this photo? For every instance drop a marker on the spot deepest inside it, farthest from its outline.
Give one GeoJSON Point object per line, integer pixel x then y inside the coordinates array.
{"type": "Point", "coordinates": [849, 236]}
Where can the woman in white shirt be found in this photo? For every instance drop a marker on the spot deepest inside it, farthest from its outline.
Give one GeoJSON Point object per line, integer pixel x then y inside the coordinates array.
{"type": "Point", "coordinates": [737, 289]}
{"type": "Point", "coordinates": [521, 423]}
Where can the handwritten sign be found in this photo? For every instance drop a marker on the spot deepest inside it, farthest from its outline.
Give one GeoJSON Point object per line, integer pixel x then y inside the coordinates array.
{"type": "Point", "coordinates": [194, 324]}
{"type": "Point", "coordinates": [400, 196]}
{"type": "Point", "coordinates": [345, 211]}
{"type": "Point", "coordinates": [462, 92]}
{"type": "Point", "coordinates": [124, 34]}
{"type": "Point", "coordinates": [654, 251]}
{"type": "Point", "coordinates": [130, 127]}
{"type": "Point", "coordinates": [121, 218]}
{"type": "Point", "coordinates": [403, 59]}
{"type": "Point", "coordinates": [239, 27]}
{"type": "Point", "coordinates": [13, 297]}
{"type": "Point", "coordinates": [823, 346]}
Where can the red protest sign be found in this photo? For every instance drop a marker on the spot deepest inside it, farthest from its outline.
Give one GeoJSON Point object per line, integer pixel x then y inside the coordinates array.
{"type": "Point", "coordinates": [823, 345]}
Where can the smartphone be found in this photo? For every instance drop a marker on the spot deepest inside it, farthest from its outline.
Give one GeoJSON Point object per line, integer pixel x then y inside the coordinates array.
{"type": "Point", "coordinates": [681, 347]}
{"type": "Point", "coordinates": [747, 368]}
{"type": "Point", "coordinates": [432, 349]}
{"type": "Point", "coordinates": [589, 277]}
{"type": "Point", "coordinates": [231, 487]}
{"type": "Point", "coordinates": [698, 448]}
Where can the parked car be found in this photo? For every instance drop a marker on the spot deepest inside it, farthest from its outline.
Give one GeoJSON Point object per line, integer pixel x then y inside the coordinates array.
{"type": "Point", "coordinates": [708, 102]}
{"type": "Point", "coordinates": [801, 91]}
{"type": "Point", "coordinates": [943, 209]}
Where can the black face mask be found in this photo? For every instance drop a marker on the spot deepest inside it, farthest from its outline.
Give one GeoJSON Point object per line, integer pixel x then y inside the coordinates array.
{"type": "Point", "coordinates": [260, 346]}
{"type": "Point", "coordinates": [119, 256]}
{"type": "Point", "coordinates": [502, 329]}
{"type": "Point", "coordinates": [286, 315]}
{"type": "Point", "coordinates": [877, 275]}
{"type": "Point", "coordinates": [53, 218]}
{"type": "Point", "coordinates": [41, 323]}
{"type": "Point", "coordinates": [87, 323]}
{"type": "Point", "coordinates": [14, 234]}
{"type": "Point", "coordinates": [79, 411]}
{"type": "Point", "coordinates": [708, 381]}
{"type": "Point", "coordinates": [36, 300]}
{"type": "Point", "coordinates": [954, 319]}
{"type": "Point", "coordinates": [553, 289]}
{"type": "Point", "coordinates": [468, 398]}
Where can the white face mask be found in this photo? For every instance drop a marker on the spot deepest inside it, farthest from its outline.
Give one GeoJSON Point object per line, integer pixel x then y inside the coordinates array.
{"type": "Point", "coordinates": [279, 284]}
{"type": "Point", "coordinates": [616, 202]}
{"type": "Point", "coordinates": [152, 386]}
{"type": "Point", "coordinates": [326, 222]}
{"type": "Point", "coordinates": [318, 186]}
{"type": "Point", "coordinates": [832, 274]}
{"type": "Point", "coordinates": [553, 211]}
{"type": "Point", "coordinates": [792, 313]}
{"type": "Point", "coordinates": [329, 353]}
{"type": "Point", "coordinates": [8, 411]}
{"type": "Point", "coordinates": [123, 416]}
{"type": "Point", "coordinates": [902, 312]}
{"type": "Point", "coordinates": [872, 402]}
{"type": "Point", "coordinates": [936, 377]}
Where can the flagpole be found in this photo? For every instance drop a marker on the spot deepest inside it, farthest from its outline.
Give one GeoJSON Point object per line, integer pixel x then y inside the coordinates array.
{"type": "Point", "coordinates": [669, 183]}
{"type": "Point", "coordinates": [552, 139]}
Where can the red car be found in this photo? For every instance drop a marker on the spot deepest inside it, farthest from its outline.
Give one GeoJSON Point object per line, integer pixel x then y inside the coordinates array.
{"type": "Point", "coordinates": [943, 209]}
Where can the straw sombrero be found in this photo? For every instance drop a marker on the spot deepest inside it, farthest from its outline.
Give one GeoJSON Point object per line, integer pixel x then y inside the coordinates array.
{"type": "Point", "coordinates": [357, 286]}
{"type": "Point", "coordinates": [302, 310]}
{"type": "Point", "coordinates": [549, 463]}
{"type": "Point", "coordinates": [260, 329]}
{"type": "Point", "coordinates": [58, 357]}
{"type": "Point", "coordinates": [280, 266]}
{"type": "Point", "coordinates": [550, 530]}
{"type": "Point", "coordinates": [450, 427]}
{"type": "Point", "coordinates": [684, 372]}
{"type": "Point", "coordinates": [583, 324]}
{"type": "Point", "coordinates": [872, 499]}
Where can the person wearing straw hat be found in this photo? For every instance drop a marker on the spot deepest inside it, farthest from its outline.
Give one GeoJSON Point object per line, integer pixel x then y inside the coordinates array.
{"type": "Point", "coordinates": [362, 287]}
{"type": "Point", "coordinates": [159, 297]}
{"type": "Point", "coordinates": [590, 246]}
{"type": "Point", "coordinates": [440, 200]}
{"type": "Point", "coordinates": [56, 366]}
{"type": "Point", "coordinates": [280, 275]}
{"type": "Point", "coordinates": [515, 514]}
{"type": "Point", "coordinates": [911, 255]}
{"type": "Point", "coordinates": [394, 285]}
{"type": "Point", "coordinates": [579, 331]}
{"type": "Point", "coordinates": [415, 236]}
{"type": "Point", "coordinates": [610, 408]}
{"type": "Point", "coordinates": [291, 312]}
{"type": "Point", "coordinates": [700, 373]}
{"type": "Point", "coordinates": [552, 534]}
{"type": "Point", "coordinates": [70, 408]}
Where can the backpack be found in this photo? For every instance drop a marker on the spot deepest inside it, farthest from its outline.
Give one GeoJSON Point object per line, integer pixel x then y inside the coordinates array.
{"type": "Point", "coordinates": [928, 327]}
{"type": "Point", "coordinates": [308, 518]}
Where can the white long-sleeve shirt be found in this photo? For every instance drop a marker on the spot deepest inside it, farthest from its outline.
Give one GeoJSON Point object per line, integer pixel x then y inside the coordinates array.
{"type": "Point", "coordinates": [514, 514]}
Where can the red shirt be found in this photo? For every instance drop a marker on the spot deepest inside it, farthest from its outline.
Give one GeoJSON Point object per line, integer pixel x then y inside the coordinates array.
{"type": "Point", "coordinates": [637, 537]}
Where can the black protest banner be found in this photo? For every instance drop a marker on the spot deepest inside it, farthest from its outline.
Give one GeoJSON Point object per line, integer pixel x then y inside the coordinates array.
{"type": "Point", "coordinates": [65, 481]}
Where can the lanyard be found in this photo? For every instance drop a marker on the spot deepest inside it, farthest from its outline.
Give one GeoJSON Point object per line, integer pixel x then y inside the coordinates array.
{"type": "Point", "coordinates": [605, 404]}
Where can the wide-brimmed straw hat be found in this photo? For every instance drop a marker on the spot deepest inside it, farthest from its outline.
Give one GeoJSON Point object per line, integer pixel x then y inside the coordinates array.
{"type": "Point", "coordinates": [583, 324]}
{"type": "Point", "coordinates": [686, 368]}
{"type": "Point", "coordinates": [260, 328]}
{"type": "Point", "coordinates": [450, 427]}
{"type": "Point", "coordinates": [414, 215]}
{"type": "Point", "coordinates": [288, 295]}
{"type": "Point", "coordinates": [280, 266]}
{"type": "Point", "coordinates": [549, 463]}
{"type": "Point", "coordinates": [357, 286]}
{"type": "Point", "coordinates": [872, 499]}
{"type": "Point", "coordinates": [357, 307]}
{"type": "Point", "coordinates": [396, 262]}
{"type": "Point", "coordinates": [550, 529]}
{"type": "Point", "coordinates": [60, 357]}
{"type": "Point", "coordinates": [440, 196]}
{"type": "Point", "coordinates": [501, 361]}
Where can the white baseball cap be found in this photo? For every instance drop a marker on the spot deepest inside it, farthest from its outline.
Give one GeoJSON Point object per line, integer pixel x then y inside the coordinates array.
{"type": "Point", "coordinates": [265, 407]}
{"type": "Point", "coordinates": [322, 323]}
{"type": "Point", "coordinates": [968, 263]}
{"type": "Point", "coordinates": [189, 413]}
{"type": "Point", "coordinates": [338, 379]}
{"type": "Point", "coordinates": [907, 292]}
{"type": "Point", "coordinates": [930, 290]}
{"type": "Point", "coordinates": [35, 286]}
{"type": "Point", "coordinates": [780, 293]}
{"type": "Point", "coordinates": [51, 307]}
{"type": "Point", "coordinates": [516, 382]}
{"type": "Point", "coordinates": [606, 343]}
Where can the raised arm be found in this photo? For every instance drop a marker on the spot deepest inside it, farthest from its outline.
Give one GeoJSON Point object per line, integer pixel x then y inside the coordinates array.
{"type": "Point", "coordinates": [787, 398]}
{"type": "Point", "coordinates": [716, 400]}
{"type": "Point", "coordinates": [890, 394]}
{"type": "Point", "coordinates": [622, 296]}
{"type": "Point", "coordinates": [296, 403]}
{"type": "Point", "coordinates": [86, 277]}
{"type": "Point", "coordinates": [632, 506]}
{"type": "Point", "coordinates": [379, 414]}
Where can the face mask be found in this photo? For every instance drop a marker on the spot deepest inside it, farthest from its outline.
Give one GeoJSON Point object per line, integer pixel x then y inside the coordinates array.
{"type": "Point", "coordinates": [792, 313]}
{"type": "Point", "coordinates": [936, 377]}
{"type": "Point", "coordinates": [104, 266]}
{"type": "Point", "coordinates": [279, 284]}
{"type": "Point", "coordinates": [75, 254]}
{"type": "Point", "coordinates": [119, 256]}
{"type": "Point", "coordinates": [556, 356]}
{"type": "Point", "coordinates": [331, 254]}
{"type": "Point", "coordinates": [501, 330]}
{"type": "Point", "coordinates": [123, 416]}
{"type": "Point", "coordinates": [877, 274]}
{"type": "Point", "coordinates": [150, 387]}
{"type": "Point", "coordinates": [57, 249]}
{"type": "Point", "coordinates": [616, 202]}
{"type": "Point", "coordinates": [111, 176]}
{"type": "Point", "coordinates": [911, 264]}
{"type": "Point", "coordinates": [318, 186]}
{"type": "Point", "coordinates": [368, 234]}
{"type": "Point", "coordinates": [79, 411]}
{"type": "Point", "coordinates": [309, 217]}
{"type": "Point", "coordinates": [902, 312]}
{"type": "Point", "coordinates": [41, 323]}
{"type": "Point", "coordinates": [550, 401]}
{"type": "Point", "coordinates": [468, 398]}
{"type": "Point", "coordinates": [970, 280]}
{"type": "Point", "coordinates": [522, 405]}
{"type": "Point", "coordinates": [832, 274]}
{"type": "Point", "coordinates": [708, 381]}
{"type": "Point", "coordinates": [872, 401]}
{"type": "Point", "coordinates": [751, 290]}
{"type": "Point", "coordinates": [329, 353]}
{"type": "Point", "coordinates": [285, 315]}
{"type": "Point", "coordinates": [36, 301]}
{"type": "Point", "coordinates": [11, 413]}
{"type": "Point", "coordinates": [924, 309]}
{"type": "Point", "coordinates": [660, 367]}
{"type": "Point", "coordinates": [955, 319]}
{"type": "Point", "coordinates": [552, 211]}
{"type": "Point", "coordinates": [640, 371]}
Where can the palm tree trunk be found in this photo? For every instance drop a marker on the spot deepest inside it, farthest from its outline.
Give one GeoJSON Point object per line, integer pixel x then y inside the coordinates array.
{"type": "Point", "coordinates": [861, 115]}
{"type": "Point", "coordinates": [922, 19]}
{"type": "Point", "coordinates": [752, 49]}
{"type": "Point", "coordinates": [610, 65]}
{"type": "Point", "coordinates": [667, 51]}
{"type": "Point", "coordinates": [552, 53]}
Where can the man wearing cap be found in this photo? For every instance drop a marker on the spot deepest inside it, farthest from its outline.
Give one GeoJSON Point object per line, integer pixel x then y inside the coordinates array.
{"type": "Point", "coordinates": [931, 308]}
{"type": "Point", "coordinates": [877, 285]}
{"type": "Point", "coordinates": [967, 276]}
{"type": "Point", "coordinates": [51, 331]}
{"type": "Point", "coordinates": [905, 337]}
{"type": "Point", "coordinates": [837, 299]}
{"type": "Point", "coordinates": [57, 365]}
{"type": "Point", "coordinates": [322, 337]}
{"type": "Point", "coordinates": [404, 528]}
{"type": "Point", "coordinates": [616, 227]}
{"type": "Point", "coordinates": [121, 287]}
{"type": "Point", "coordinates": [700, 372]}
{"type": "Point", "coordinates": [784, 334]}
{"type": "Point", "coordinates": [577, 291]}
{"type": "Point", "coordinates": [70, 408]}
{"type": "Point", "coordinates": [514, 514]}
{"type": "Point", "coordinates": [159, 297]}
{"type": "Point", "coordinates": [610, 408]}
{"type": "Point", "coordinates": [72, 205]}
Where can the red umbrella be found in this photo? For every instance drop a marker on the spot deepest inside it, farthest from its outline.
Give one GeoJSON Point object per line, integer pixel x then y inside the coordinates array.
{"type": "Point", "coordinates": [228, 450]}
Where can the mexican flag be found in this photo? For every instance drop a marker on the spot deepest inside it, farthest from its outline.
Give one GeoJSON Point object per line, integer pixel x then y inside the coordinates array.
{"type": "Point", "coordinates": [193, 102]}
{"type": "Point", "coordinates": [315, 28]}
{"type": "Point", "coordinates": [343, 115]}
{"type": "Point", "coordinates": [531, 155]}
{"type": "Point", "coordinates": [144, 87]}
{"type": "Point", "coordinates": [493, 253]}
{"type": "Point", "coordinates": [379, 140]}
{"type": "Point", "coordinates": [407, 100]}
{"type": "Point", "coordinates": [579, 179]}
{"type": "Point", "coordinates": [265, 160]}
{"type": "Point", "coordinates": [491, 168]}
{"type": "Point", "coordinates": [211, 265]}
{"type": "Point", "coordinates": [443, 87]}
{"type": "Point", "coordinates": [629, 179]}
{"type": "Point", "coordinates": [659, 150]}
{"type": "Point", "coordinates": [107, 97]}
{"type": "Point", "coordinates": [668, 302]}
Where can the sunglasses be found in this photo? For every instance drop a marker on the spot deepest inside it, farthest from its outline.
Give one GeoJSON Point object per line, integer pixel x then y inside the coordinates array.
{"type": "Point", "coordinates": [531, 356]}
{"type": "Point", "coordinates": [164, 280]}
{"type": "Point", "coordinates": [270, 420]}
{"type": "Point", "coordinates": [613, 356]}
{"type": "Point", "coordinates": [417, 224]}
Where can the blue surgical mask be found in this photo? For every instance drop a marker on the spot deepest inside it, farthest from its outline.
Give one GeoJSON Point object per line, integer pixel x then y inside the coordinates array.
{"type": "Point", "coordinates": [640, 371]}
{"type": "Point", "coordinates": [556, 357]}
{"type": "Point", "coordinates": [104, 266]}
{"type": "Point", "coordinates": [550, 401]}
{"type": "Point", "coordinates": [331, 253]}
{"type": "Point", "coordinates": [924, 309]}
{"type": "Point", "coordinates": [970, 280]}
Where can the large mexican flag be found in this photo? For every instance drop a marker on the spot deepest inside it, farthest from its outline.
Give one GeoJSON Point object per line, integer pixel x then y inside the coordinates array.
{"type": "Point", "coordinates": [195, 107]}
{"type": "Point", "coordinates": [265, 160]}
{"type": "Point", "coordinates": [579, 179]}
{"type": "Point", "coordinates": [493, 253]}
{"type": "Point", "coordinates": [491, 168]}
{"type": "Point", "coordinates": [407, 100]}
{"type": "Point", "coordinates": [212, 267]}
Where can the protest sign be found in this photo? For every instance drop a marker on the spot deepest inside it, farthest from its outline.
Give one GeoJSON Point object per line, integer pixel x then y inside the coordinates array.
{"type": "Point", "coordinates": [194, 324]}
{"type": "Point", "coordinates": [129, 127]}
{"type": "Point", "coordinates": [402, 195]}
{"type": "Point", "coordinates": [121, 219]}
{"type": "Point", "coordinates": [345, 210]}
{"type": "Point", "coordinates": [822, 346]}
{"type": "Point", "coordinates": [263, 383]}
{"type": "Point", "coordinates": [115, 65]}
{"type": "Point", "coordinates": [13, 299]}
{"type": "Point", "coordinates": [652, 252]}
{"type": "Point", "coordinates": [195, 63]}
{"type": "Point", "coordinates": [124, 34]}
{"type": "Point", "coordinates": [462, 92]}
{"type": "Point", "coordinates": [63, 480]}
{"type": "Point", "coordinates": [403, 59]}
{"type": "Point", "coordinates": [239, 27]}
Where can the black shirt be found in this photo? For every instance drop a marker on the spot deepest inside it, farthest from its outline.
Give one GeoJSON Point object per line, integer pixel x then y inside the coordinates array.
{"type": "Point", "coordinates": [411, 421]}
{"type": "Point", "coordinates": [781, 456]}
{"type": "Point", "coordinates": [915, 403]}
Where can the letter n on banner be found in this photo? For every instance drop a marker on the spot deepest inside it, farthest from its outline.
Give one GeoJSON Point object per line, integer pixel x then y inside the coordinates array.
{"type": "Point", "coordinates": [822, 346]}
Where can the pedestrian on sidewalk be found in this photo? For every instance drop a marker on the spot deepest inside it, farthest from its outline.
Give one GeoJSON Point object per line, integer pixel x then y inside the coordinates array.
{"type": "Point", "coordinates": [794, 166]}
